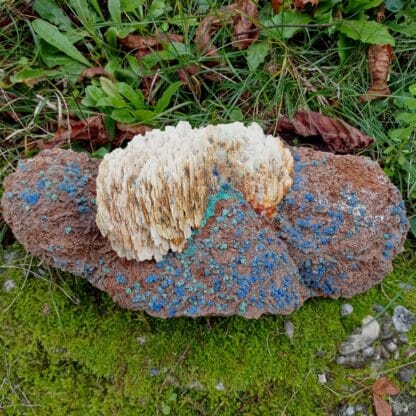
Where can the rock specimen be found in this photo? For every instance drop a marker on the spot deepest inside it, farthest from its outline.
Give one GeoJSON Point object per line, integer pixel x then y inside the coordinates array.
{"type": "Point", "coordinates": [334, 234]}
{"type": "Point", "coordinates": [152, 194]}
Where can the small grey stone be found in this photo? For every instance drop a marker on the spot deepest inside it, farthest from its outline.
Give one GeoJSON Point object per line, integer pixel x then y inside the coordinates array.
{"type": "Point", "coordinates": [46, 309]}
{"type": "Point", "coordinates": [352, 358]}
{"type": "Point", "coordinates": [409, 352]}
{"type": "Point", "coordinates": [368, 352]}
{"type": "Point", "coordinates": [377, 353]}
{"type": "Point", "coordinates": [289, 330]}
{"type": "Point", "coordinates": [340, 360]}
{"type": "Point", "coordinates": [220, 386]}
{"type": "Point", "coordinates": [9, 257]}
{"type": "Point", "coordinates": [396, 355]}
{"type": "Point", "coordinates": [403, 405]}
{"type": "Point", "coordinates": [172, 380]}
{"type": "Point", "coordinates": [403, 338]}
{"type": "Point", "coordinates": [350, 411]}
{"type": "Point", "coordinates": [384, 353]}
{"type": "Point", "coordinates": [377, 365]}
{"type": "Point", "coordinates": [320, 354]}
{"type": "Point", "coordinates": [378, 308]}
{"type": "Point", "coordinates": [322, 378]}
{"type": "Point", "coordinates": [387, 328]}
{"type": "Point", "coordinates": [142, 340]}
{"type": "Point", "coordinates": [406, 374]}
{"type": "Point", "coordinates": [390, 346]}
{"type": "Point", "coordinates": [370, 331]}
{"type": "Point", "coordinates": [346, 309]}
{"type": "Point", "coordinates": [359, 408]}
{"type": "Point", "coordinates": [196, 385]}
{"type": "Point", "coordinates": [9, 285]}
{"type": "Point", "coordinates": [403, 319]}
{"type": "Point", "coordinates": [406, 286]}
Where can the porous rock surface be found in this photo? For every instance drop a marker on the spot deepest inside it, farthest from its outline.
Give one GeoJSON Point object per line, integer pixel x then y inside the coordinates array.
{"type": "Point", "coordinates": [335, 234]}
{"type": "Point", "coordinates": [343, 222]}
{"type": "Point", "coordinates": [153, 193]}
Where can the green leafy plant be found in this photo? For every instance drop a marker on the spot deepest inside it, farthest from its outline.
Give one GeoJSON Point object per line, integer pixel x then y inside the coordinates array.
{"type": "Point", "coordinates": [354, 21]}
{"type": "Point", "coordinates": [294, 63]}
{"type": "Point", "coordinates": [367, 32]}
{"type": "Point", "coordinates": [51, 35]}
{"type": "Point", "coordinates": [125, 104]}
{"type": "Point", "coordinates": [67, 34]}
{"type": "Point", "coordinates": [401, 153]}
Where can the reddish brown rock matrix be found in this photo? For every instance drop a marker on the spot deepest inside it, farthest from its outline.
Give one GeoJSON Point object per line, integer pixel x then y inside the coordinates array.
{"type": "Point", "coordinates": [335, 234]}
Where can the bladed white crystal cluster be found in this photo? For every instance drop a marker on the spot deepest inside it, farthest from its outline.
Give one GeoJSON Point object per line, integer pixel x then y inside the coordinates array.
{"type": "Point", "coordinates": [153, 193]}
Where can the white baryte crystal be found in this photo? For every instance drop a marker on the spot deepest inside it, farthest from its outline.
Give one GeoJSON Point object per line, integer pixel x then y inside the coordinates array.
{"type": "Point", "coordinates": [153, 193]}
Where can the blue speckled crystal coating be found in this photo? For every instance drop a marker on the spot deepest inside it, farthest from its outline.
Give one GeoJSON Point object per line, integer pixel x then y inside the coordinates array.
{"type": "Point", "coordinates": [334, 234]}
{"type": "Point", "coordinates": [321, 226]}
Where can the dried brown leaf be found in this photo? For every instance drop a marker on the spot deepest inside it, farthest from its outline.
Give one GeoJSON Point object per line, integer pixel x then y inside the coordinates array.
{"type": "Point", "coordinates": [133, 129]}
{"type": "Point", "coordinates": [125, 132]}
{"type": "Point", "coordinates": [6, 102]}
{"type": "Point", "coordinates": [379, 58]}
{"type": "Point", "coordinates": [91, 129]}
{"type": "Point", "coordinates": [146, 45]}
{"type": "Point", "coordinates": [381, 12]}
{"type": "Point", "coordinates": [93, 72]}
{"type": "Point", "coordinates": [276, 5]}
{"type": "Point", "coordinates": [384, 386]}
{"type": "Point", "coordinates": [338, 135]}
{"type": "Point", "coordinates": [301, 4]}
{"type": "Point", "coordinates": [381, 406]}
{"type": "Point", "coordinates": [203, 34]}
{"type": "Point", "coordinates": [245, 29]}
{"type": "Point", "coordinates": [242, 15]}
{"type": "Point", "coordinates": [188, 78]}
{"type": "Point", "coordinates": [146, 42]}
{"type": "Point", "coordinates": [138, 41]}
{"type": "Point", "coordinates": [147, 85]}
{"type": "Point", "coordinates": [192, 76]}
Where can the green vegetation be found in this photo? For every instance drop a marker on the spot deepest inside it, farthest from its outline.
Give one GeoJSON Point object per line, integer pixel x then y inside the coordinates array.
{"type": "Point", "coordinates": [66, 348]}
{"type": "Point", "coordinates": [314, 59]}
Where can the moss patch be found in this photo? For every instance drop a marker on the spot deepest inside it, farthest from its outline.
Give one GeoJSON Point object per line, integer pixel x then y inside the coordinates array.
{"type": "Point", "coordinates": [90, 357]}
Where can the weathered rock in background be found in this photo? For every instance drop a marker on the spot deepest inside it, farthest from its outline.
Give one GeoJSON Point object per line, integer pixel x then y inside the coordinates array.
{"type": "Point", "coordinates": [375, 342]}
{"type": "Point", "coordinates": [335, 234]}
{"type": "Point", "coordinates": [368, 334]}
{"type": "Point", "coordinates": [403, 319]}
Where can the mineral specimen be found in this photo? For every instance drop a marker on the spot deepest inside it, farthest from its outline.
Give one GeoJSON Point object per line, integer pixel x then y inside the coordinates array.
{"type": "Point", "coordinates": [334, 234]}
{"type": "Point", "coordinates": [152, 194]}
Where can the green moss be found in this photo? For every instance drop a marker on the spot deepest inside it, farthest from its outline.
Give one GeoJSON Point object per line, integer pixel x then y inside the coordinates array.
{"type": "Point", "coordinates": [66, 358]}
